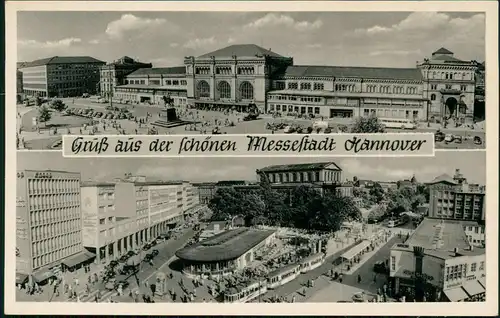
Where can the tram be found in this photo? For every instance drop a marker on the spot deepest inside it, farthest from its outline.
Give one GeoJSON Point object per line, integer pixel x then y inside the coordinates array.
{"type": "Point", "coordinates": [311, 262]}
{"type": "Point", "coordinates": [283, 275]}
{"type": "Point", "coordinates": [247, 293]}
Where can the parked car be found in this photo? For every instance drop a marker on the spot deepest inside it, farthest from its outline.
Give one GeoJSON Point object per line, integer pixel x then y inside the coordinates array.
{"type": "Point", "coordinates": [148, 257]}
{"type": "Point", "coordinates": [155, 252]}
{"type": "Point", "coordinates": [477, 140]}
{"type": "Point", "coordinates": [289, 130]}
{"type": "Point", "coordinates": [439, 136]}
{"type": "Point", "coordinates": [457, 139]}
{"type": "Point", "coordinates": [124, 258]}
{"type": "Point", "coordinates": [147, 247]}
{"type": "Point", "coordinates": [448, 138]}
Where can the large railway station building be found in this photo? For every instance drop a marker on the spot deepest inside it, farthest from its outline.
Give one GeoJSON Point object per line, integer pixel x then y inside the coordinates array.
{"type": "Point", "coordinates": [238, 76]}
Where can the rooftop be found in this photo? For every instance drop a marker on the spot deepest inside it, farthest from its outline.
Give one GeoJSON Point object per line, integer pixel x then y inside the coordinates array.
{"type": "Point", "coordinates": [224, 246]}
{"type": "Point", "coordinates": [356, 72]}
{"type": "Point", "coordinates": [175, 70]}
{"type": "Point", "coordinates": [443, 178]}
{"type": "Point", "coordinates": [64, 60]}
{"type": "Point", "coordinates": [442, 51]}
{"type": "Point", "coordinates": [440, 238]}
{"type": "Point", "coordinates": [241, 50]}
{"type": "Point", "coordinates": [97, 184]}
{"type": "Point", "coordinates": [301, 167]}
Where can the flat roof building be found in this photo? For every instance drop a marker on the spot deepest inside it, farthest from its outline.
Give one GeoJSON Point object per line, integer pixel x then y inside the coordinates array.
{"type": "Point", "coordinates": [49, 223]}
{"type": "Point", "coordinates": [224, 253]}
{"type": "Point", "coordinates": [438, 263]}
{"type": "Point", "coordinates": [61, 76]}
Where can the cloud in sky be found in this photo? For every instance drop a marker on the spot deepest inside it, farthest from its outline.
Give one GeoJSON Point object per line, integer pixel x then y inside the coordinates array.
{"type": "Point", "coordinates": [275, 20]}
{"type": "Point", "coordinates": [130, 23]}
{"type": "Point", "coordinates": [391, 39]}
{"type": "Point", "coordinates": [59, 44]}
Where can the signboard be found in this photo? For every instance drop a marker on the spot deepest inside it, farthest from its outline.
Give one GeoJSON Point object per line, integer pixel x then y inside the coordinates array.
{"type": "Point", "coordinates": [20, 202]}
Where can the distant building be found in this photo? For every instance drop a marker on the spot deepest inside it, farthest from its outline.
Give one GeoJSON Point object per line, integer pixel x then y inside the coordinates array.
{"type": "Point", "coordinates": [61, 76]}
{"type": "Point", "coordinates": [452, 198]}
{"type": "Point", "coordinates": [206, 191]}
{"type": "Point", "coordinates": [113, 74]}
{"type": "Point", "coordinates": [317, 173]}
{"type": "Point", "coordinates": [49, 224]}
{"type": "Point", "coordinates": [387, 186]}
{"type": "Point", "coordinates": [438, 263]}
{"type": "Point", "coordinates": [154, 85]}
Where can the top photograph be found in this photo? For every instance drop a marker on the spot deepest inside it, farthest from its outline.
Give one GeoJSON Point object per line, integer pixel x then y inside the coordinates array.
{"type": "Point", "coordinates": [148, 73]}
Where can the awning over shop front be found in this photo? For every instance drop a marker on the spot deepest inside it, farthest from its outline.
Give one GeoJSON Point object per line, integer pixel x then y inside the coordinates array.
{"type": "Point", "coordinates": [78, 259]}
{"type": "Point", "coordinates": [456, 294]}
{"type": "Point", "coordinates": [42, 275]}
{"type": "Point", "coordinates": [473, 288]}
{"type": "Point", "coordinates": [356, 250]}
{"type": "Point", "coordinates": [21, 278]}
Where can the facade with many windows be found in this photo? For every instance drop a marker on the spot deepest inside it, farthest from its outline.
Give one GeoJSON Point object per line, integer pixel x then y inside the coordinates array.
{"type": "Point", "coordinates": [154, 86]}
{"type": "Point", "coordinates": [454, 198]}
{"type": "Point", "coordinates": [113, 74]}
{"type": "Point", "coordinates": [121, 216]}
{"type": "Point", "coordinates": [61, 76]}
{"type": "Point", "coordinates": [49, 221]}
{"type": "Point", "coordinates": [438, 263]}
{"type": "Point", "coordinates": [239, 77]}
{"type": "Point", "coordinates": [449, 84]}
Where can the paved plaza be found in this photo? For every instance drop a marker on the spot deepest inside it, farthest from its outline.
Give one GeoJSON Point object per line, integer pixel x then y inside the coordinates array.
{"type": "Point", "coordinates": [46, 139]}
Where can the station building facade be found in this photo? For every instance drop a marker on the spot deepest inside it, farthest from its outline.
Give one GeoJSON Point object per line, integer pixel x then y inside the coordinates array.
{"type": "Point", "coordinates": [239, 77]}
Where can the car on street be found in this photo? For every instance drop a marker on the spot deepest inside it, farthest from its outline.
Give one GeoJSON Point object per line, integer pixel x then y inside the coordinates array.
{"type": "Point", "coordinates": [379, 267]}
{"type": "Point", "coordinates": [457, 139]}
{"type": "Point", "coordinates": [131, 253]}
{"type": "Point", "coordinates": [289, 130]}
{"type": "Point", "coordinates": [124, 258]}
{"type": "Point", "coordinates": [124, 284]}
{"type": "Point", "coordinates": [155, 252]}
{"type": "Point", "coordinates": [146, 247]}
{"type": "Point", "coordinates": [359, 297]}
{"type": "Point", "coordinates": [448, 138]}
{"type": "Point", "coordinates": [477, 140]}
{"type": "Point", "coordinates": [439, 136]}
{"type": "Point", "coordinates": [148, 257]}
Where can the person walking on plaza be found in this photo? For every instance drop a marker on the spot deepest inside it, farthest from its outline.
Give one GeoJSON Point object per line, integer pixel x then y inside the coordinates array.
{"type": "Point", "coordinates": [359, 279]}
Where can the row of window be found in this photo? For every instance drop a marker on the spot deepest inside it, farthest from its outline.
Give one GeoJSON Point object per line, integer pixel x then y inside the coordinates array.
{"type": "Point", "coordinates": [110, 219]}
{"type": "Point", "coordinates": [54, 215]}
{"type": "Point", "coordinates": [51, 230]}
{"type": "Point", "coordinates": [450, 75]}
{"type": "Point", "coordinates": [296, 109]}
{"type": "Point", "coordinates": [55, 256]}
{"type": "Point", "coordinates": [310, 176]}
{"type": "Point", "coordinates": [55, 243]}
{"type": "Point", "coordinates": [224, 88]}
{"type": "Point", "coordinates": [40, 186]}
{"type": "Point", "coordinates": [226, 70]}
{"type": "Point", "coordinates": [391, 113]}
{"type": "Point", "coordinates": [41, 202]}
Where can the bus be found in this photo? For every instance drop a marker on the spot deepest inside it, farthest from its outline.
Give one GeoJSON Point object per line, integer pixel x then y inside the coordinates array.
{"type": "Point", "coordinates": [399, 123]}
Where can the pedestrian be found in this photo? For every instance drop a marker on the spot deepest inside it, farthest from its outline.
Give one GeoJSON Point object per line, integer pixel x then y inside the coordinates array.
{"type": "Point", "coordinates": [359, 279]}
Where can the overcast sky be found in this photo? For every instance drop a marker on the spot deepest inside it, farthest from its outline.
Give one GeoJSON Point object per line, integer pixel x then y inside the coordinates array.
{"type": "Point", "coordinates": [214, 169]}
{"type": "Point", "coordinates": [392, 39]}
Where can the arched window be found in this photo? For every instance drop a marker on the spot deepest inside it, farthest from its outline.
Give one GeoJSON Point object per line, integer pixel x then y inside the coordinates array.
{"type": "Point", "coordinates": [203, 89]}
{"type": "Point", "coordinates": [246, 90]}
{"type": "Point", "coordinates": [433, 97]}
{"type": "Point", "coordinates": [224, 90]}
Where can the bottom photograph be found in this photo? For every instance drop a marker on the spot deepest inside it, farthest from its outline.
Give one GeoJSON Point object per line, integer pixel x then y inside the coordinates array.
{"type": "Point", "coordinates": [234, 230]}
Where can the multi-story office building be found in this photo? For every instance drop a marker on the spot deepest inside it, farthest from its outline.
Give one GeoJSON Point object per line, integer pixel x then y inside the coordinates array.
{"type": "Point", "coordinates": [49, 222]}
{"type": "Point", "coordinates": [113, 74]}
{"type": "Point", "coordinates": [154, 86]}
{"type": "Point", "coordinates": [452, 198]}
{"type": "Point", "coordinates": [61, 76]}
{"type": "Point", "coordinates": [439, 263]}
{"type": "Point", "coordinates": [120, 216]}
{"type": "Point", "coordinates": [241, 76]}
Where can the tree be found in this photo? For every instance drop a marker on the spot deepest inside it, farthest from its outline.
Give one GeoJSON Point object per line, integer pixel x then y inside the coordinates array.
{"type": "Point", "coordinates": [424, 190]}
{"type": "Point", "coordinates": [377, 193]}
{"type": "Point", "coordinates": [376, 214]}
{"type": "Point", "coordinates": [367, 125]}
{"type": "Point", "coordinates": [58, 105]}
{"type": "Point", "coordinates": [44, 114]}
